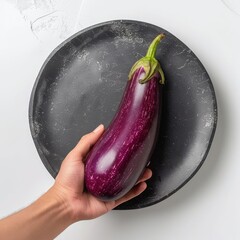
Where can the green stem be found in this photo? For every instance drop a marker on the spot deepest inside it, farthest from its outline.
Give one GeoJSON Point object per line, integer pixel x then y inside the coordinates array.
{"type": "Point", "coordinates": [153, 46]}
{"type": "Point", "coordinates": [149, 62]}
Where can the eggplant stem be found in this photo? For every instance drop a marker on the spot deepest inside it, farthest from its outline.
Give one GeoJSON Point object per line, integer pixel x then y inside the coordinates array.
{"type": "Point", "coordinates": [153, 46]}
{"type": "Point", "coordinates": [149, 63]}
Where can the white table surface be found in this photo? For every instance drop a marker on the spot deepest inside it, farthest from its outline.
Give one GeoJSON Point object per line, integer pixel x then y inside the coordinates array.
{"type": "Point", "coordinates": [208, 206]}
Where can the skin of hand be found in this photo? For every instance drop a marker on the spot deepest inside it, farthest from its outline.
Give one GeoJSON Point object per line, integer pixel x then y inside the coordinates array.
{"type": "Point", "coordinates": [69, 184]}
{"type": "Point", "coordinates": [65, 202]}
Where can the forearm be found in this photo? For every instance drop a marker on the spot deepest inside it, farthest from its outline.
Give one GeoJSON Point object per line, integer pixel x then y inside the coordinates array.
{"type": "Point", "coordinates": [66, 202]}
{"type": "Point", "coordinates": [44, 219]}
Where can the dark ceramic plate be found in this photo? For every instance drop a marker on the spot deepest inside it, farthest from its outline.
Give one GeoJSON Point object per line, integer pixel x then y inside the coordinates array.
{"type": "Point", "coordinates": [81, 84]}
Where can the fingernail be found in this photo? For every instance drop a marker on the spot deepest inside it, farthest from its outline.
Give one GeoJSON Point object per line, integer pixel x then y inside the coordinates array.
{"type": "Point", "coordinates": [98, 128]}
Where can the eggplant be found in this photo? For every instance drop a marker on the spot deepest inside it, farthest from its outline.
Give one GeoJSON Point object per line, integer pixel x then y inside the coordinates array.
{"type": "Point", "coordinates": [119, 157]}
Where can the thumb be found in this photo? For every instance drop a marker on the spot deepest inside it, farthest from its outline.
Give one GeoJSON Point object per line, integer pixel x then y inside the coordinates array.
{"type": "Point", "coordinates": [87, 141]}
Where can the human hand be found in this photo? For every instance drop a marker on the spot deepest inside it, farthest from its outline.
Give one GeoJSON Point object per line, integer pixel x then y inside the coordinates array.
{"type": "Point", "coordinates": [69, 184]}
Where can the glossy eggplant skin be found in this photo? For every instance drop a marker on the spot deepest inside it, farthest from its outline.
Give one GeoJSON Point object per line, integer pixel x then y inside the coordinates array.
{"type": "Point", "coordinates": [119, 157]}
{"type": "Point", "coordinates": [121, 154]}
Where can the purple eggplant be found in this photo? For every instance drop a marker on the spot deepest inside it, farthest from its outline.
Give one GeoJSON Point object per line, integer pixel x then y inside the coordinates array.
{"type": "Point", "coordinates": [117, 160]}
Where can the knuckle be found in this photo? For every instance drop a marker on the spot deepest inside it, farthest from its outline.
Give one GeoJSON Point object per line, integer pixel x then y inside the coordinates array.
{"type": "Point", "coordinates": [86, 137]}
{"type": "Point", "coordinates": [83, 139]}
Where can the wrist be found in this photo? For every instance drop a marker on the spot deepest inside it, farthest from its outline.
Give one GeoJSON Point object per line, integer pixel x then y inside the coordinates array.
{"type": "Point", "coordinates": [58, 195]}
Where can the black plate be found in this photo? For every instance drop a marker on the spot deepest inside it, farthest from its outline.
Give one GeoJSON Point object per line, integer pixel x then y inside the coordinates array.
{"type": "Point", "coordinates": [81, 84]}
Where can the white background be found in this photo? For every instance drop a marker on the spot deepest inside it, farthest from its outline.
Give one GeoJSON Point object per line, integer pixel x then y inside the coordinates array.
{"type": "Point", "coordinates": [208, 206]}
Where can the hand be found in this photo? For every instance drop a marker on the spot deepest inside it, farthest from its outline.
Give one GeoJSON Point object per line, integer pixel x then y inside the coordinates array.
{"type": "Point", "coordinates": [69, 184]}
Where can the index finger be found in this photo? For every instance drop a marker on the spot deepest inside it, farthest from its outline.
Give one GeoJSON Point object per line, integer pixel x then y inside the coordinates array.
{"type": "Point", "coordinates": [87, 141]}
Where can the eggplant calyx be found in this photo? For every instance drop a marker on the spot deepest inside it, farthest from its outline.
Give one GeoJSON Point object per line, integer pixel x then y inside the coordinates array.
{"type": "Point", "coordinates": [149, 63]}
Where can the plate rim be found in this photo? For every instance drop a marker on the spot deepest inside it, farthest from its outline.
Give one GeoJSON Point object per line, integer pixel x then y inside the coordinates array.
{"type": "Point", "coordinates": [89, 28]}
